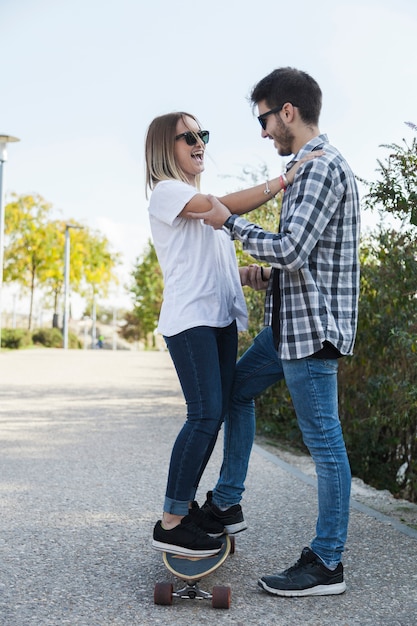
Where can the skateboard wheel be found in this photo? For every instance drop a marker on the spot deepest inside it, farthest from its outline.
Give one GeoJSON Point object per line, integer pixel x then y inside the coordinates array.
{"type": "Point", "coordinates": [232, 544]}
{"type": "Point", "coordinates": [163, 593]}
{"type": "Point", "coordinates": [221, 597]}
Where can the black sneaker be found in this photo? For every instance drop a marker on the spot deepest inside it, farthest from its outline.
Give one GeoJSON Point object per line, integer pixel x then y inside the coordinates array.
{"type": "Point", "coordinates": [186, 539]}
{"type": "Point", "coordinates": [308, 577]}
{"type": "Point", "coordinates": [209, 524]}
{"type": "Point", "coordinates": [231, 518]}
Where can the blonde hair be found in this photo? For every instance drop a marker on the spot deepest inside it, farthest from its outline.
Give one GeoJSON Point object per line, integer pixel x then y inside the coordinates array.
{"type": "Point", "coordinates": [160, 160]}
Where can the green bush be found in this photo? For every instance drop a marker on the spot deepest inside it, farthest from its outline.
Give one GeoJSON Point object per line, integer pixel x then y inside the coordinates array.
{"type": "Point", "coordinates": [48, 337]}
{"type": "Point", "coordinates": [15, 338]}
{"type": "Point", "coordinates": [378, 386]}
{"type": "Point", "coordinates": [74, 342]}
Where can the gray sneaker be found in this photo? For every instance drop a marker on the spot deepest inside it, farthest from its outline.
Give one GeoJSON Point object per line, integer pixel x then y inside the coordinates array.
{"type": "Point", "coordinates": [232, 518]}
{"type": "Point", "coordinates": [308, 577]}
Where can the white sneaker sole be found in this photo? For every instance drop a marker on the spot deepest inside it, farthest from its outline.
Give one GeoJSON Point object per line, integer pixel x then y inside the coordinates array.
{"type": "Point", "coordinates": [167, 547]}
{"type": "Point", "coordinates": [321, 590]}
{"type": "Point", "coordinates": [233, 529]}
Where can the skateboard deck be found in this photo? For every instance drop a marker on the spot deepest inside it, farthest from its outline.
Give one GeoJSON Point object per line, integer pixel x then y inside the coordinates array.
{"type": "Point", "coordinates": [191, 570]}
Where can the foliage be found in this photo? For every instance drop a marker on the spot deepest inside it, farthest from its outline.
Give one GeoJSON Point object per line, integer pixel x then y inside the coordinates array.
{"type": "Point", "coordinates": [131, 327]}
{"type": "Point", "coordinates": [395, 191]}
{"type": "Point", "coordinates": [74, 342]}
{"type": "Point", "coordinates": [34, 252]}
{"type": "Point", "coordinates": [26, 227]}
{"type": "Point", "coordinates": [378, 389]}
{"type": "Point", "coordinates": [48, 337]}
{"type": "Point", "coordinates": [98, 262]}
{"type": "Point", "coordinates": [15, 338]}
{"type": "Point", "coordinates": [378, 394]}
{"type": "Point", "coordinates": [147, 290]}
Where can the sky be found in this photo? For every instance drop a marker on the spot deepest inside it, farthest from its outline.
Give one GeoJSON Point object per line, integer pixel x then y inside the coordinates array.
{"type": "Point", "coordinates": [80, 81]}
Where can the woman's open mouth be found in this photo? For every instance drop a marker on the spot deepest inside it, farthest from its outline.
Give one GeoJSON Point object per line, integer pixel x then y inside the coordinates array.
{"type": "Point", "coordinates": [198, 156]}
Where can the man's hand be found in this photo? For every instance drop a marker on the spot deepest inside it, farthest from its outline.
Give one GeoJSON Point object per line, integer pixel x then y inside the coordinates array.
{"type": "Point", "coordinates": [216, 216]}
{"type": "Point", "coordinates": [254, 276]}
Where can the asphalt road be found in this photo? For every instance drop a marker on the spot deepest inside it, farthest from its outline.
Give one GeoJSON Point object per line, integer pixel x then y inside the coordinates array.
{"type": "Point", "coordinates": [85, 440]}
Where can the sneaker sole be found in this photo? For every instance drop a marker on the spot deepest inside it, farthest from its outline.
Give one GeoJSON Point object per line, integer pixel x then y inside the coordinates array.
{"type": "Point", "coordinates": [233, 529]}
{"type": "Point", "coordinates": [180, 551]}
{"type": "Point", "coordinates": [320, 590]}
{"type": "Point", "coordinates": [216, 535]}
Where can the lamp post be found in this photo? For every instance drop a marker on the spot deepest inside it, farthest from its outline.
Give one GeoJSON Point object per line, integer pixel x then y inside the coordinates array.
{"type": "Point", "coordinates": [4, 140]}
{"type": "Point", "coordinates": [66, 281]}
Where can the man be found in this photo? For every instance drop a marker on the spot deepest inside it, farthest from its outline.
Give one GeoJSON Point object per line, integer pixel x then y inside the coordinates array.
{"type": "Point", "coordinates": [310, 316]}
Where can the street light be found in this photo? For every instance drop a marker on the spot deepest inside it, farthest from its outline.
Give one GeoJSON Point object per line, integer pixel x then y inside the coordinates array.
{"type": "Point", "coordinates": [4, 140]}
{"type": "Point", "coordinates": [66, 281]}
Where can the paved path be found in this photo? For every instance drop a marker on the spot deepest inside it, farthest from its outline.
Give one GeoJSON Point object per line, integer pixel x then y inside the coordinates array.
{"type": "Point", "coordinates": [85, 439]}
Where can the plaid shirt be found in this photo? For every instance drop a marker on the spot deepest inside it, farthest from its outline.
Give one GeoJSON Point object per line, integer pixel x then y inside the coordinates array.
{"type": "Point", "coordinates": [315, 252]}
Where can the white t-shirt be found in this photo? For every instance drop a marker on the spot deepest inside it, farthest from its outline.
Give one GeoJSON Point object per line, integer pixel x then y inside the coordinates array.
{"type": "Point", "coordinates": [201, 278]}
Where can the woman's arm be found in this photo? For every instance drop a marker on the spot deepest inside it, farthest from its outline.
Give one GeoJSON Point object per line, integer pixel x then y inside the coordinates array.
{"type": "Point", "coordinates": [246, 200]}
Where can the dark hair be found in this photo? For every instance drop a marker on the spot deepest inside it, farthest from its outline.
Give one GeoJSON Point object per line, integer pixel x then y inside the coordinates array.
{"type": "Point", "coordinates": [287, 84]}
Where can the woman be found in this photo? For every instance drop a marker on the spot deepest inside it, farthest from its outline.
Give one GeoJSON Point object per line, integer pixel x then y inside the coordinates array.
{"type": "Point", "coordinates": [202, 310]}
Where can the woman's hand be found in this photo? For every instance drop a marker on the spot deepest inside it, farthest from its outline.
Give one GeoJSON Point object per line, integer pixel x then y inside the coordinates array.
{"type": "Point", "coordinates": [214, 217]}
{"type": "Point", "coordinates": [311, 155]}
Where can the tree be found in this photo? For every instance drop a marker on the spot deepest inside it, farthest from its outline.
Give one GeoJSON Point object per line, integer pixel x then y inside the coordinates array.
{"type": "Point", "coordinates": [92, 262]}
{"type": "Point", "coordinates": [34, 254]}
{"type": "Point", "coordinates": [396, 190]}
{"type": "Point", "coordinates": [26, 253]}
{"type": "Point", "coordinates": [147, 290]}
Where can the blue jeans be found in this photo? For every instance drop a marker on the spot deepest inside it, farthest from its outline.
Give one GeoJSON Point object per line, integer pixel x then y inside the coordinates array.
{"type": "Point", "coordinates": [205, 360]}
{"type": "Point", "coordinates": [312, 384]}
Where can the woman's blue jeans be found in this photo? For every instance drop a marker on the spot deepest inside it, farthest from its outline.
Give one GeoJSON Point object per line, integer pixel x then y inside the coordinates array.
{"type": "Point", "coordinates": [205, 361]}
{"type": "Point", "coordinates": [312, 384]}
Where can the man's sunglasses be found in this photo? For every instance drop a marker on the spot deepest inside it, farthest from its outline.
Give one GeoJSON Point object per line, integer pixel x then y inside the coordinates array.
{"type": "Point", "coordinates": [191, 137]}
{"type": "Point", "coordinates": [262, 118]}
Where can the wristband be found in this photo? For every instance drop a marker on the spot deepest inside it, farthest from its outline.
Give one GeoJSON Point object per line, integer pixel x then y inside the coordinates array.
{"type": "Point", "coordinates": [285, 179]}
{"type": "Point", "coordinates": [267, 190]}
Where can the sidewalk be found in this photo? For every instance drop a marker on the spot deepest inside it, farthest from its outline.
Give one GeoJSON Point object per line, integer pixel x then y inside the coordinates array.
{"type": "Point", "coordinates": [85, 440]}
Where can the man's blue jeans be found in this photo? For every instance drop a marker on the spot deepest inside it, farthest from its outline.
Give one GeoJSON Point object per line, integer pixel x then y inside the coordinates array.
{"type": "Point", "coordinates": [312, 384]}
{"type": "Point", "coordinates": [205, 360]}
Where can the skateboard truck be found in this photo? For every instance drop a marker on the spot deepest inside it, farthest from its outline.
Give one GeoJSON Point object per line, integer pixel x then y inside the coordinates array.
{"type": "Point", "coordinates": [192, 591]}
{"type": "Point", "coordinates": [190, 570]}
{"type": "Point", "coordinates": [220, 596]}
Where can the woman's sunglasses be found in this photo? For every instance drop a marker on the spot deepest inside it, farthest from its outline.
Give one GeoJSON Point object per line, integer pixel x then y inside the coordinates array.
{"type": "Point", "coordinates": [191, 137]}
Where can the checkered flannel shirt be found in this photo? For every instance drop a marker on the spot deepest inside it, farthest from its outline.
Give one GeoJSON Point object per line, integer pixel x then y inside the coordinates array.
{"type": "Point", "coordinates": [315, 252]}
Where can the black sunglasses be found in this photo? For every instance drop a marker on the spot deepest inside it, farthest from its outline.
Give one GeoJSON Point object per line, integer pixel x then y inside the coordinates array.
{"type": "Point", "coordinates": [261, 118]}
{"type": "Point", "coordinates": [191, 137]}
